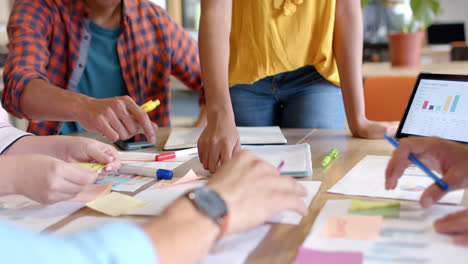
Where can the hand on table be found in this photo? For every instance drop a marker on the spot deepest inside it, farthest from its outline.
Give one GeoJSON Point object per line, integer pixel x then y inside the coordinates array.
{"type": "Point", "coordinates": [116, 118]}
{"type": "Point", "coordinates": [254, 191]}
{"type": "Point", "coordinates": [218, 142]}
{"type": "Point", "coordinates": [47, 180]}
{"type": "Point", "coordinates": [455, 224]}
{"type": "Point", "coordinates": [376, 129]}
{"type": "Point", "coordinates": [443, 156]}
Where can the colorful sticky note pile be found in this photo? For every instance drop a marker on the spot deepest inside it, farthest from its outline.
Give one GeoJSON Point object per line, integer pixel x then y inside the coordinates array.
{"type": "Point", "coordinates": [190, 176]}
{"type": "Point", "coordinates": [116, 204]}
{"type": "Point", "coordinates": [374, 208]}
{"type": "Point", "coordinates": [93, 192]}
{"type": "Point", "coordinates": [358, 227]}
{"type": "Point", "coordinates": [306, 256]}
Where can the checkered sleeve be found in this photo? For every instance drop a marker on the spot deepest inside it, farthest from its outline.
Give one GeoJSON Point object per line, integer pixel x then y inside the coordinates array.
{"type": "Point", "coordinates": [28, 30]}
{"type": "Point", "coordinates": [184, 56]}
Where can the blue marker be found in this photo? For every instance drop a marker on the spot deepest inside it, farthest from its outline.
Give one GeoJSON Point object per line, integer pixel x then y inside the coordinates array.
{"type": "Point", "coordinates": [161, 174]}
{"type": "Point", "coordinates": [443, 185]}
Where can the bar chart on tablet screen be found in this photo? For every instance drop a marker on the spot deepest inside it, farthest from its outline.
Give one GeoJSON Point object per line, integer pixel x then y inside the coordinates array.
{"type": "Point", "coordinates": [439, 108]}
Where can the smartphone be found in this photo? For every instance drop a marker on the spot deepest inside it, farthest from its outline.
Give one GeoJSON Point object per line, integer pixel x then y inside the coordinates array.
{"type": "Point", "coordinates": [136, 142]}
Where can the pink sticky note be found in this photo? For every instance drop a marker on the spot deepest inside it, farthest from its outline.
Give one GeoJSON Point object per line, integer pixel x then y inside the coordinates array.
{"type": "Point", "coordinates": [92, 192]}
{"type": "Point", "coordinates": [307, 256]}
{"type": "Point", "coordinates": [358, 227]}
{"type": "Point", "coordinates": [189, 177]}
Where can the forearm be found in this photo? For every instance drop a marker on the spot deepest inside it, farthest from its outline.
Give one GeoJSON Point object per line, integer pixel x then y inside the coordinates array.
{"type": "Point", "coordinates": [43, 101]}
{"type": "Point", "coordinates": [182, 234]}
{"type": "Point", "coordinates": [347, 47]}
{"type": "Point", "coordinates": [7, 174]}
{"type": "Point", "coordinates": [103, 245]}
{"type": "Point", "coordinates": [215, 27]}
{"type": "Point", "coordinates": [53, 146]}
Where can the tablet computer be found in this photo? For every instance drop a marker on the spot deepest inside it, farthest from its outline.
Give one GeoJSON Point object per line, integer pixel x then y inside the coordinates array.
{"type": "Point", "coordinates": [437, 107]}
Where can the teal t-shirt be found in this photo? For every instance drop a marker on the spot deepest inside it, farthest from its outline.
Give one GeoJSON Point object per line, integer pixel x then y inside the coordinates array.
{"type": "Point", "coordinates": [102, 76]}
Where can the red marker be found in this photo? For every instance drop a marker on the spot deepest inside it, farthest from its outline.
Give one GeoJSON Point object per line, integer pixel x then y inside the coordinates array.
{"type": "Point", "coordinates": [175, 154]}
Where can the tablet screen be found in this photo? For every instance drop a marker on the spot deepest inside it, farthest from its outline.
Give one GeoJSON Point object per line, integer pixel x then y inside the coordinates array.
{"type": "Point", "coordinates": [438, 108]}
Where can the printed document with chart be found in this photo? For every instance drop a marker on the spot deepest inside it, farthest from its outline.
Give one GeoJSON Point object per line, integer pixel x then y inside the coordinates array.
{"type": "Point", "coordinates": [367, 178]}
{"type": "Point", "coordinates": [408, 237]}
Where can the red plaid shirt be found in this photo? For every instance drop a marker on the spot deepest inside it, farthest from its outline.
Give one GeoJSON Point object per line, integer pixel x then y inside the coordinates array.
{"type": "Point", "coordinates": [45, 42]}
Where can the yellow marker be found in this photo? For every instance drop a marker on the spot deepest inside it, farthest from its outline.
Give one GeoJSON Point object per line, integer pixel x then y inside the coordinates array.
{"type": "Point", "coordinates": [97, 167]}
{"type": "Point", "coordinates": [150, 105]}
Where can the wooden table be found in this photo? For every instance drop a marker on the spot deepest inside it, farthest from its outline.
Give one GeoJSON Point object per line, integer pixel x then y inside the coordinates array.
{"type": "Point", "coordinates": [282, 242]}
{"type": "Point", "coordinates": [373, 69]}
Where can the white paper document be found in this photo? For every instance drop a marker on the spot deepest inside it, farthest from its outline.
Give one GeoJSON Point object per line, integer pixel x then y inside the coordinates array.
{"type": "Point", "coordinates": [291, 217]}
{"type": "Point", "coordinates": [233, 249]}
{"type": "Point", "coordinates": [367, 178]}
{"type": "Point", "coordinates": [161, 198]}
{"type": "Point", "coordinates": [88, 222]}
{"type": "Point", "coordinates": [181, 138]}
{"type": "Point", "coordinates": [407, 238]}
{"type": "Point", "coordinates": [29, 214]}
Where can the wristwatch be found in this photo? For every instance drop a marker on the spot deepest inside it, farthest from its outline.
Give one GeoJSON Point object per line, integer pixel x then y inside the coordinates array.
{"type": "Point", "coordinates": [212, 205]}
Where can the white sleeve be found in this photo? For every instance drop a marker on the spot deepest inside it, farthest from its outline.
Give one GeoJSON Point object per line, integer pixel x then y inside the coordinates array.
{"type": "Point", "coordinates": [9, 135]}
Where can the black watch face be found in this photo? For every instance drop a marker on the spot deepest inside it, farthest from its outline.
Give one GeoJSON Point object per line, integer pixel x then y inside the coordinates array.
{"type": "Point", "coordinates": [210, 202]}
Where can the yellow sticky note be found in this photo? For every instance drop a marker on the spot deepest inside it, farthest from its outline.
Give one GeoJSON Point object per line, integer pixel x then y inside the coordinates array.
{"type": "Point", "coordinates": [357, 205]}
{"type": "Point", "coordinates": [97, 167]}
{"type": "Point", "coordinates": [116, 204]}
{"type": "Point", "coordinates": [357, 227]}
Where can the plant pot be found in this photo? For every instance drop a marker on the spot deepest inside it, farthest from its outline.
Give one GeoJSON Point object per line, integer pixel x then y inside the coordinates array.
{"type": "Point", "coordinates": [405, 48]}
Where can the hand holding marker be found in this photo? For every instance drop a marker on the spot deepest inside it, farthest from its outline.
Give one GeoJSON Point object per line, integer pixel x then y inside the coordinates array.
{"type": "Point", "coordinates": [149, 106]}
{"type": "Point", "coordinates": [443, 185]}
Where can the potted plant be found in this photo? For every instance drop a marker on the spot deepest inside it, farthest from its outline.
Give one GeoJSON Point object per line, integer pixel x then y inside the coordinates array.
{"type": "Point", "coordinates": [407, 21]}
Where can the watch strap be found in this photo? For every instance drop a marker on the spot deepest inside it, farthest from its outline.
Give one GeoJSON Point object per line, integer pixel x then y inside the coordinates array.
{"type": "Point", "coordinates": [221, 220]}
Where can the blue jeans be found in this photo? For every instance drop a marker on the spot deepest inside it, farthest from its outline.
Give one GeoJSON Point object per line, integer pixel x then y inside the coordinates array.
{"type": "Point", "coordinates": [299, 99]}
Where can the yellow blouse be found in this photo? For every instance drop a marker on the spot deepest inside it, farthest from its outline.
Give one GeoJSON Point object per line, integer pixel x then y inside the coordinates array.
{"type": "Point", "coordinates": [264, 41]}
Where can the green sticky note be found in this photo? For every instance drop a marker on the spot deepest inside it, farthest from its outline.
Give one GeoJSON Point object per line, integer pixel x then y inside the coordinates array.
{"type": "Point", "coordinates": [374, 208]}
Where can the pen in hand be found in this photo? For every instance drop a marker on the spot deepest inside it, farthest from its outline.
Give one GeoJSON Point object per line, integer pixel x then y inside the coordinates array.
{"type": "Point", "coordinates": [443, 185]}
{"type": "Point", "coordinates": [280, 166]}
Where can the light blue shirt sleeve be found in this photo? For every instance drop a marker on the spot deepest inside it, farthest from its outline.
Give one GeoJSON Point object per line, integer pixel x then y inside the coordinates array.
{"type": "Point", "coordinates": [113, 243]}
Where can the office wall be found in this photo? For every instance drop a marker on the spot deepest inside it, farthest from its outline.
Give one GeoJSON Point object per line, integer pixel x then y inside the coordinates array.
{"type": "Point", "coordinates": [5, 7]}
{"type": "Point", "coordinates": [454, 11]}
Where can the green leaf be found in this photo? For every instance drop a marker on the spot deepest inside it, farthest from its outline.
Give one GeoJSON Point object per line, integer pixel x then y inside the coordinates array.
{"type": "Point", "coordinates": [364, 3]}
{"type": "Point", "coordinates": [424, 12]}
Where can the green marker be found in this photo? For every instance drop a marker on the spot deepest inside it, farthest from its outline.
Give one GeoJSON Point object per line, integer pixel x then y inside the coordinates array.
{"type": "Point", "coordinates": [332, 155]}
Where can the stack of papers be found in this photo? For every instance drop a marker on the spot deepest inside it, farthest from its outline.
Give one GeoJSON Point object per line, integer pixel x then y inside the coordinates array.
{"type": "Point", "coordinates": [181, 138]}
{"type": "Point", "coordinates": [297, 160]}
{"type": "Point", "coordinates": [407, 238]}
